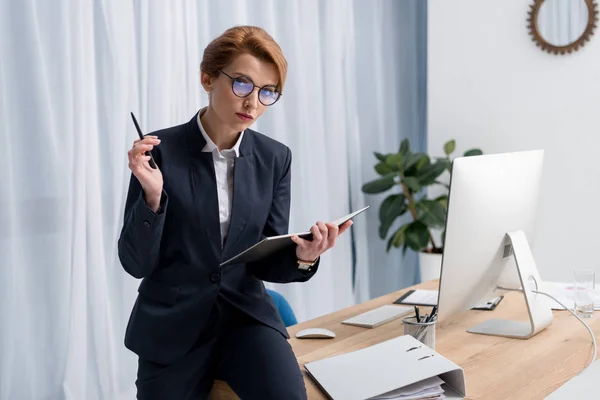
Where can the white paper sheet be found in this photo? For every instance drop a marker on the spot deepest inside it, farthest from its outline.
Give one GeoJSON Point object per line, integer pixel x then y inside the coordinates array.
{"type": "Point", "coordinates": [422, 296]}
{"type": "Point", "coordinates": [428, 388]}
{"type": "Point", "coordinates": [563, 291]}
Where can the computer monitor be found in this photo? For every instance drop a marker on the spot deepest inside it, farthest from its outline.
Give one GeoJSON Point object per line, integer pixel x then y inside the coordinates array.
{"type": "Point", "coordinates": [490, 222]}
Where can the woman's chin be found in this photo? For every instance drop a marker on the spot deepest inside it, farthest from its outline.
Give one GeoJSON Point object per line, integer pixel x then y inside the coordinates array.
{"type": "Point", "coordinates": [241, 126]}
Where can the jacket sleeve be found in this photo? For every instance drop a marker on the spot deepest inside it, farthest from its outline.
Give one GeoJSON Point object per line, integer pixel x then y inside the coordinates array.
{"type": "Point", "coordinates": [139, 242]}
{"type": "Point", "coordinates": [281, 267]}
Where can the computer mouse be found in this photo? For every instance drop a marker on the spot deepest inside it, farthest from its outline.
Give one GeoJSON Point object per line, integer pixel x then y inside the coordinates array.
{"type": "Point", "coordinates": [315, 333]}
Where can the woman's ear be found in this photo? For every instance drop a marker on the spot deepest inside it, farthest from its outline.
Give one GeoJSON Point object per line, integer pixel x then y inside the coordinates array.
{"type": "Point", "coordinates": [206, 81]}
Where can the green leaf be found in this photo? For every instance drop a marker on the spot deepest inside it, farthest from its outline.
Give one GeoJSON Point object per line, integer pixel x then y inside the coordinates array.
{"type": "Point", "coordinates": [414, 159]}
{"type": "Point", "coordinates": [391, 208]}
{"type": "Point", "coordinates": [404, 147]}
{"type": "Point", "coordinates": [383, 169]}
{"type": "Point", "coordinates": [417, 236]}
{"type": "Point", "coordinates": [393, 161]}
{"type": "Point", "coordinates": [422, 162]}
{"type": "Point", "coordinates": [412, 183]}
{"type": "Point", "coordinates": [397, 239]}
{"type": "Point", "coordinates": [443, 200]}
{"type": "Point", "coordinates": [473, 152]}
{"type": "Point", "coordinates": [431, 213]}
{"type": "Point", "coordinates": [379, 185]}
{"type": "Point", "coordinates": [429, 173]}
{"type": "Point", "coordinates": [389, 244]}
{"type": "Point", "coordinates": [449, 147]}
{"type": "Point", "coordinates": [443, 184]}
{"type": "Point", "coordinates": [446, 162]}
{"type": "Point", "coordinates": [380, 156]}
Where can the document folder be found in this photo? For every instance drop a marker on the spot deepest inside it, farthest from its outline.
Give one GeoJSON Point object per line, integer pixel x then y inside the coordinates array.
{"type": "Point", "coordinates": [272, 244]}
{"type": "Point", "coordinates": [385, 367]}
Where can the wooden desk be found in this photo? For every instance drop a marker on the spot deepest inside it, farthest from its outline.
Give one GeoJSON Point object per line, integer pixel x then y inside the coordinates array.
{"type": "Point", "coordinates": [495, 367]}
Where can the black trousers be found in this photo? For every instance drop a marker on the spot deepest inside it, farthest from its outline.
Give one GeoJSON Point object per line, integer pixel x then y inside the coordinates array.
{"type": "Point", "coordinates": [255, 360]}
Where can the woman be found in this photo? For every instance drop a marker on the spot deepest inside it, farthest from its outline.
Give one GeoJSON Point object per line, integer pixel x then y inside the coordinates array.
{"type": "Point", "coordinates": [219, 188]}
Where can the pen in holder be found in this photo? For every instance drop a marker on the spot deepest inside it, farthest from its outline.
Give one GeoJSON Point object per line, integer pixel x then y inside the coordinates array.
{"type": "Point", "coordinates": [424, 332]}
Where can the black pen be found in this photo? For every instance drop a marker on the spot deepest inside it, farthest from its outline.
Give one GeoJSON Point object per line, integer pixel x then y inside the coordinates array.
{"type": "Point", "coordinates": [417, 314]}
{"type": "Point", "coordinates": [139, 131]}
{"type": "Point", "coordinates": [433, 313]}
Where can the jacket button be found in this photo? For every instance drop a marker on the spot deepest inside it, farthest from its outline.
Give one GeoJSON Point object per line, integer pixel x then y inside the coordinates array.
{"type": "Point", "coordinates": [215, 277]}
{"type": "Point", "coordinates": [147, 224]}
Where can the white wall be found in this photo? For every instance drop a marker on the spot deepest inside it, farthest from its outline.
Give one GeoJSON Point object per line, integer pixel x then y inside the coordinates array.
{"type": "Point", "coordinates": [489, 86]}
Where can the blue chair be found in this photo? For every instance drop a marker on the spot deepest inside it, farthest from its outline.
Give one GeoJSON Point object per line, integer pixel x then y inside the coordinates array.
{"type": "Point", "coordinates": [284, 308]}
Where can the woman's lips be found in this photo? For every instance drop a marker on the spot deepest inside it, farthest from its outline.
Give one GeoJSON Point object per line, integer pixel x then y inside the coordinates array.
{"type": "Point", "coordinates": [244, 117]}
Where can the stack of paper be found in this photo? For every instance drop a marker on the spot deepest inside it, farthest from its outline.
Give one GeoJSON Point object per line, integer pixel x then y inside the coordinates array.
{"type": "Point", "coordinates": [563, 291]}
{"type": "Point", "coordinates": [430, 388]}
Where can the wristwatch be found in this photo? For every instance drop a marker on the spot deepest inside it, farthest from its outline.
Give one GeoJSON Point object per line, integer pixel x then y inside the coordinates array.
{"type": "Point", "coordinates": [305, 265]}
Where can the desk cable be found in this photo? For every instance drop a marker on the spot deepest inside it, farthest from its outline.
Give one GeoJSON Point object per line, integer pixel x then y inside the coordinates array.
{"type": "Point", "coordinates": [575, 315]}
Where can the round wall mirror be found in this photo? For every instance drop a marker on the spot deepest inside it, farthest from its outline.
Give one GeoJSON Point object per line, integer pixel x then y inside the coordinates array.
{"type": "Point", "coordinates": [562, 26]}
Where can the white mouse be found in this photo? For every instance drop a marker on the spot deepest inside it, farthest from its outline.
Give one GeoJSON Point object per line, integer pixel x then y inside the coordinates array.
{"type": "Point", "coordinates": [315, 333]}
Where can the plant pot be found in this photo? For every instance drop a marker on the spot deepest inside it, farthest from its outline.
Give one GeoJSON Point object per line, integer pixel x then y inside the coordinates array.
{"type": "Point", "coordinates": [430, 265]}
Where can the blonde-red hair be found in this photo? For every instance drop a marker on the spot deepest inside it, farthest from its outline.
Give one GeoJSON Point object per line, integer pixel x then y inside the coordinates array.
{"type": "Point", "coordinates": [243, 40]}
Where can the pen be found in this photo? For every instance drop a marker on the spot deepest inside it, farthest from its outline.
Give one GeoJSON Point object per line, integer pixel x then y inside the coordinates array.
{"type": "Point", "coordinates": [139, 131]}
{"type": "Point", "coordinates": [433, 314]}
{"type": "Point", "coordinates": [417, 314]}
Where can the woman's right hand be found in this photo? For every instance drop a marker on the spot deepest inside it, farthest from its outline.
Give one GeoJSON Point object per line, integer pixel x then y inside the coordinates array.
{"type": "Point", "coordinates": [151, 179]}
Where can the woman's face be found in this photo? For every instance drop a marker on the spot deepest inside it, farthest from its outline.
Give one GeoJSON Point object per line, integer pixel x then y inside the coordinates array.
{"type": "Point", "coordinates": [238, 113]}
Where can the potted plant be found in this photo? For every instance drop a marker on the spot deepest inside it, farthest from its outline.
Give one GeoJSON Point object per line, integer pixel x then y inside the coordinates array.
{"type": "Point", "coordinates": [407, 174]}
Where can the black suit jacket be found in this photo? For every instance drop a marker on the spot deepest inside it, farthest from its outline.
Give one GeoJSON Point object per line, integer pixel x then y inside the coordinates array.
{"type": "Point", "coordinates": [177, 251]}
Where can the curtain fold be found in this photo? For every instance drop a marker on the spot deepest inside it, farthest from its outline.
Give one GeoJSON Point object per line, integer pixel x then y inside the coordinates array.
{"type": "Point", "coordinates": [70, 73]}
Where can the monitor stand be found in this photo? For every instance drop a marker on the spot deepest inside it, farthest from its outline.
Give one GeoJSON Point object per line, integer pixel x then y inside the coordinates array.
{"type": "Point", "coordinates": [540, 313]}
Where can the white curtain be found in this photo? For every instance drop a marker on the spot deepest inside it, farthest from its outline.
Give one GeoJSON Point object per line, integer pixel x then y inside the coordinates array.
{"type": "Point", "coordinates": [70, 73]}
{"type": "Point", "coordinates": [391, 72]}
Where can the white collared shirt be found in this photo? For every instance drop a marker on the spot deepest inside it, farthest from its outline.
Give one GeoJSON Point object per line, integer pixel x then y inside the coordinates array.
{"type": "Point", "coordinates": [224, 163]}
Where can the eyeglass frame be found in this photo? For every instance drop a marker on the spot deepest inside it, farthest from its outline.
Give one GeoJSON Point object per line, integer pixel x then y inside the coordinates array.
{"type": "Point", "coordinates": [254, 86]}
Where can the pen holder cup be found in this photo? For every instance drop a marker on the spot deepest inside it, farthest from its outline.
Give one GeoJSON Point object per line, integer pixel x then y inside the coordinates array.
{"type": "Point", "coordinates": [424, 332]}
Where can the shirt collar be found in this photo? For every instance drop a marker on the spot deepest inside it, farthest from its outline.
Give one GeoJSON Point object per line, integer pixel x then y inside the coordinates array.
{"type": "Point", "coordinates": [210, 145]}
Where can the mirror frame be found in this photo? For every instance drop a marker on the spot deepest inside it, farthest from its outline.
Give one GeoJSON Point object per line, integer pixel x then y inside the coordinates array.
{"type": "Point", "coordinates": [532, 25]}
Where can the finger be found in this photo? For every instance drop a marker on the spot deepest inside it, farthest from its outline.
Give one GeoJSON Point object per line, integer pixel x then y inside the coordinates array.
{"type": "Point", "coordinates": [303, 243]}
{"type": "Point", "coordinates": [141, 148]}
{"type": "Point", "coordinates": [345, 227]}
{"type": "Point", "coordinates": [142, 163]}
{"type": "Point", "coordinates": [332, 234]}
{"type": "Point", "coordinates": [147, 139]}
{"type": "Point", "coordinates": [136, 154]}
{"type": "Point", "coordinates": [324, 234]}
{"type": "Point", "coordinates": [139, 161]}
{"type": "Point", "coordinates": [146, 162]}
{"type": "Point", "coordinates": [317, 237]}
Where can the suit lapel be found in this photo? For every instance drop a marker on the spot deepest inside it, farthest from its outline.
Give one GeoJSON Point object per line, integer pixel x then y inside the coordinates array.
{"type": "Point", "coordinates": [243, 178]}
{"type": "Point", "coordinates": [206, 200]}
{"type": "Point", "coordinates": [204, 188]}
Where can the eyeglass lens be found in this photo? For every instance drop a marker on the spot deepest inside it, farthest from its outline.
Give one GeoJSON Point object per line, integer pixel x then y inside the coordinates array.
{"type": "Point", "coordinates": [242, 88]}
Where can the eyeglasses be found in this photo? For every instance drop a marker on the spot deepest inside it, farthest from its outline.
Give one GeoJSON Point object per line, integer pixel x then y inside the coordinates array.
{"type": "Point", "coordinates": [242, 86]}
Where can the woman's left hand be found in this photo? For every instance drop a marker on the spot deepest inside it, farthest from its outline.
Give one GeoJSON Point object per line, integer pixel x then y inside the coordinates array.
{"type": "Point", "coordinates": [324, 237]}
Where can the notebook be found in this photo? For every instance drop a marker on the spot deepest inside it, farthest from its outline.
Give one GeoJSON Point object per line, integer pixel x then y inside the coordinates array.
{"type": "Point", "coordinates": [429, 298]}
{"type": "Point", "coordinates": [419, 297]}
